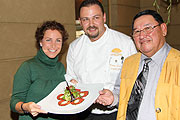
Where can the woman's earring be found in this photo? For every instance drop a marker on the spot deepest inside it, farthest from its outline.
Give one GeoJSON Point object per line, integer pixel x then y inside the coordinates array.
{"type": "Point", "coordinates": [41, 44]}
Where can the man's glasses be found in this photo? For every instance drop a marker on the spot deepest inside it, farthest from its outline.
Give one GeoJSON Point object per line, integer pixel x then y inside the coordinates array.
{"type": "Point", "coordinates": [146, 30]}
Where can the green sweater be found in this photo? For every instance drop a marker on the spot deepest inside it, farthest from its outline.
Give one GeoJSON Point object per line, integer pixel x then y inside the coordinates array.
{"type": "Point", "coordinates": [34, 80]}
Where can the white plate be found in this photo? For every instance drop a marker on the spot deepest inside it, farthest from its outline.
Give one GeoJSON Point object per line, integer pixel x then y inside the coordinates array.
{"type": "Point", "coordinates": [50, 103]}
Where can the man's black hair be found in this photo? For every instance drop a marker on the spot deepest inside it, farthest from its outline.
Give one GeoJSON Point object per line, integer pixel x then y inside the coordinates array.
{"type": "Point", "coordinates": [153, 13]}
{"type": "Point", "coordinates": [87, 3]}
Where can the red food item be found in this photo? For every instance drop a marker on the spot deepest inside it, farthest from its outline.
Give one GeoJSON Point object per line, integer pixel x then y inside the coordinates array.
{"type": "Point", "coordinates": [63, 102]}
{"type": "Point", "coordinates": [77, 101]}
{"type": "Point", "coordinates": [84, 93]}
{"type": "Point", "coordinates": [78, 90]}
{"type": "Point", "coordinates": [59, 97]}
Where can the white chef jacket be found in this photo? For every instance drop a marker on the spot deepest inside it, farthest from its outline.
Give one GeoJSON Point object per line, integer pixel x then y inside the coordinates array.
{"type": "Point", "coordinates": [99, 61]}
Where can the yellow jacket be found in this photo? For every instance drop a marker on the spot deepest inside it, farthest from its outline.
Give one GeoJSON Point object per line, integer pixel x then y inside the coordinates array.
{"type": "Point", "coordinates": [167, 99]}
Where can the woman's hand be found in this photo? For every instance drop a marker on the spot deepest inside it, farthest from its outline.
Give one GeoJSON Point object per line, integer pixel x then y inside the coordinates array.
{"type": "Point", "coordinates": [33, 108]}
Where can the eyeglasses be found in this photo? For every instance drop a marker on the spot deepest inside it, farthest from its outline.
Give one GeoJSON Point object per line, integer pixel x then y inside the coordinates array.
{"type": "Point", "coordinates": [146, 30]}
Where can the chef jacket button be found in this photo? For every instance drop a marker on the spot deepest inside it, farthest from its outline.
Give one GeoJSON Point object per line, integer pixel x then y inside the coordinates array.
{"type": "Point", "coordinates": [158, 110]}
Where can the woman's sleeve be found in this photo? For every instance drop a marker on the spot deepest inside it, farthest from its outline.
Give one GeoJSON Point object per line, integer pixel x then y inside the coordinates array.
{"type": "Point", "coordinates": [21, 84]}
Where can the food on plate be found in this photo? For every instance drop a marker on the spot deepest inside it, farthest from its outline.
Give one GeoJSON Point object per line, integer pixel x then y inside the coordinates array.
{"type": "Point", "coordinates": [63, 102]}
{"type": "Point", "coordinates": [83, 93]}
{"type": "Point", "coordinates": [77, 101]}
{"type": "Point", "coordinates": [60, 97]}
{"type": "Point", "coordinates": [65, 98]}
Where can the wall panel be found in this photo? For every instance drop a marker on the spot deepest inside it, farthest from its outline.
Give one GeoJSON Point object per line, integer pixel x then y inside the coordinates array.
{"type": "Point", "coordinates": [18, 22]}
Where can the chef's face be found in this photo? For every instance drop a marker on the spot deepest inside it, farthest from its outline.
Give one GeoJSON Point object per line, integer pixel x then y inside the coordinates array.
{"type": "Point", "coordinates": [92, 20]}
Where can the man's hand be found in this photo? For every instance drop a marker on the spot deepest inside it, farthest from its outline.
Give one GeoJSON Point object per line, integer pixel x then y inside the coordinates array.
{"type": "Point", "coordinates": [74, 81]}
{"type": "Point", "coordinates": [105, 98]}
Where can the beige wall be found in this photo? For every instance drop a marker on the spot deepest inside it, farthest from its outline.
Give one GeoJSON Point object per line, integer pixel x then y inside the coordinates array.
{"type": "Point", "coordinates": [122, 13]}
{"type": "Point", "coordinates": [18, 22]}
{"type": "Point", "coordinates": [19, 19]}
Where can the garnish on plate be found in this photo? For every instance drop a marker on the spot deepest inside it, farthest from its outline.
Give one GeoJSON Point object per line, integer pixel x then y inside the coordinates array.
{"type": "Point", "coordinates": [66, 98]}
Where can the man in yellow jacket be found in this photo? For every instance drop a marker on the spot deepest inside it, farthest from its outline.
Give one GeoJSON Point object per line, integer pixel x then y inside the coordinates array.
{"type": "Point", "coordinates": [161, 95]}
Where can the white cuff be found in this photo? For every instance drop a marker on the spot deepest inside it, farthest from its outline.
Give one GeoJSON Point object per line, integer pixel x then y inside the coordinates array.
{"type": "Point", "coordinates": [116, 100]}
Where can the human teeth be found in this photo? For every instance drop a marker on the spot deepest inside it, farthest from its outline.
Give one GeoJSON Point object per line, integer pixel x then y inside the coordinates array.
{"type": "Point", "coordinates": [52, 50]}
{"type": "Point", "coordinates": [92, 29]}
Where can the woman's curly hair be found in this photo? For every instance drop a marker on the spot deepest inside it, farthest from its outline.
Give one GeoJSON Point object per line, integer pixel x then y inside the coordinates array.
{"type": "Point", "coordinates": [50, 25]}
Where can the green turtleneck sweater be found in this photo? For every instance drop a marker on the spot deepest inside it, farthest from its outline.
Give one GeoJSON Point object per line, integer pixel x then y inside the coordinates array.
{"type": "Point", "coordinates": [35, 79]}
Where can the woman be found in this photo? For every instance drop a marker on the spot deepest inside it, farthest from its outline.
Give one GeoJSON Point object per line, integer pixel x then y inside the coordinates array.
{"type": "Point", "coordinates": [37, 77]}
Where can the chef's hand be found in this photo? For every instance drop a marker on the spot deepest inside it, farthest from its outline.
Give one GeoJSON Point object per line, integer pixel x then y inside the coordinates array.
{"type": "Point", "coordinates": [33, 108]}
{"type": "Point", "coordinates": [105, 98]}
{"type": "Point", "coordinates": [74, 81]}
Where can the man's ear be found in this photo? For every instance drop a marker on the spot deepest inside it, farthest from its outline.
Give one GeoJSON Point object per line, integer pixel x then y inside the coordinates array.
{"type": "Point", "coordinates": [104, 16]}
{"type": "Point", "coordinates": [80, 21]}
{"type": "Point", "coordinates": [164, 29]}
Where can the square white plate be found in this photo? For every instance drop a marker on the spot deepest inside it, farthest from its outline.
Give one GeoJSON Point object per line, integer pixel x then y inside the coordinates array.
{"type": "Point", "coordinates": [50, 103]}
